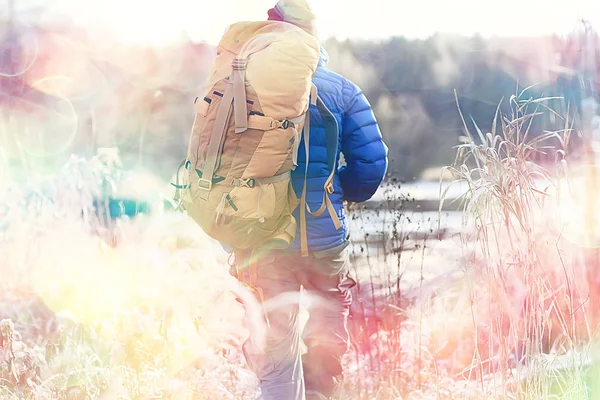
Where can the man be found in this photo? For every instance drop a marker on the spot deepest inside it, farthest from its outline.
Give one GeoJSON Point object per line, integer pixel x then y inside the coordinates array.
{"type": "Point", "coordinates": [284, 372]}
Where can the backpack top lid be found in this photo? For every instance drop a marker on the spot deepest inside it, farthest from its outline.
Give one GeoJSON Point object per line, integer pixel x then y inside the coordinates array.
{"type": "Point", "coordinates": [282, 59]}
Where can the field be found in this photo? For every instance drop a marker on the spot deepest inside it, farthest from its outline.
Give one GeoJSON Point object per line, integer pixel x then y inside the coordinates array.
{"type": "Point", "coordinates": [496, 301]}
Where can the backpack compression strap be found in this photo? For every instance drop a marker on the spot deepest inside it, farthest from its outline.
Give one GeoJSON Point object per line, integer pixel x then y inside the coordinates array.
{"type": "Point", "coordinates": [234, 93]}
{"type": "Point", "coordinates": [331, 137]}
{"type": "Point", "coordinates": [238, 76]}
{"type": "Point", "coordinates": [216, 139]}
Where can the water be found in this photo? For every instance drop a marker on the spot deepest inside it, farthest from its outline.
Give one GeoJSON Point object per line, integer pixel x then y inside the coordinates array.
{"type": "Point", "coordinates": [419, 191]}
{"type": "Point", "coordinates": [416, 224]}
{"type": "Point", "coordinates": [407, 209]}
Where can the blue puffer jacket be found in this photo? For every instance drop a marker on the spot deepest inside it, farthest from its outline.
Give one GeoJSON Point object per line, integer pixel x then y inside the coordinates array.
{"type": "Point", "coordinates": [364, 152]}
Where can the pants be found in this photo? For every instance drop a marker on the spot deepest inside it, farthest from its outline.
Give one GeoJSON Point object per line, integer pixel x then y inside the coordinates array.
{"type": "Point", "coordinates": [274, 353]}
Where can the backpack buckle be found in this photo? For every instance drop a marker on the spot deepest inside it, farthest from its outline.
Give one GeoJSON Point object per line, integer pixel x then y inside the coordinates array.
{"type": "Point", "coordinates": [284, 124]}
{"type": "Point", "coordinates": [244, 182]}
{"type": "Point", "coordinates": [239, 64]}
{"type": "Point", "coordinates": [329, 188]}
{"type": "Point", "coordinates": [248, 182]}
{"type": "Point", "coordinates": [205, 184]}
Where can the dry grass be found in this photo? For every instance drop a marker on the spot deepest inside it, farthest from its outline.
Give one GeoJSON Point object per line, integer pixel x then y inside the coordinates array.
{"type": "Point", "coordinates": [520, 321]}
{"type": "Point", "coordinates": [154, 315]}
{"type": "Point", "coordinates": [530, 294]}
{"type": "Point", "coordinates": [151, 316]}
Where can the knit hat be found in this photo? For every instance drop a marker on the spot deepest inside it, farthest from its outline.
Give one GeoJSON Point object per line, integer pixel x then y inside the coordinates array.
{"type": "Point", "coordinates": [297, 12]}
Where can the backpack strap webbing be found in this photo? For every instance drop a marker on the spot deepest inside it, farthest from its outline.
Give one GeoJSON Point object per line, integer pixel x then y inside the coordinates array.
{"type": "Point", "coordinates": [216, 139]}
{"type": "Point", "coordinates": [331, 137]}
{"type": "Point", "coordinates": [240, 109]}
{"type": "Point", "coordinates": [178, 197]}
{"type": "Point", "coordinates": [234, 93]}
{"type": "Point", "coordinates": [252, 182]}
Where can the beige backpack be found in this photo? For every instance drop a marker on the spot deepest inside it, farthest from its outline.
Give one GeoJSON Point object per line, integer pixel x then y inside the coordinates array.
{"type": "Point", "coordinates": [244, 141]}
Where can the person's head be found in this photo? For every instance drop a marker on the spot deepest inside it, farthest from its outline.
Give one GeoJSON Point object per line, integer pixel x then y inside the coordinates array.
{"type": "Point", "coordinates": [297, 12]}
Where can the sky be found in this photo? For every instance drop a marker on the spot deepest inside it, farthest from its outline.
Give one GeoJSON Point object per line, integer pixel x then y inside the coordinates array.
{"type": "Point", "coordinates": [157, 21]}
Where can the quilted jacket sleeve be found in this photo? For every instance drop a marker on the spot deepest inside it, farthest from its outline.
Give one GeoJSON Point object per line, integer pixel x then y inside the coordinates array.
{"type": "Point", "coordinates": [364, 151]}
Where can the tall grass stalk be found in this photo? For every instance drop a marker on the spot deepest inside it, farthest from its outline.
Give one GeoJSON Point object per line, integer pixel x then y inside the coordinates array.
{"type": "Point", "coordinates": [528, 296]}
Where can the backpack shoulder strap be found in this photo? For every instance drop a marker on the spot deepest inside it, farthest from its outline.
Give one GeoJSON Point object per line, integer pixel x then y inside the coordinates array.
{"type": "Point", "coordinates": [332, 138]}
